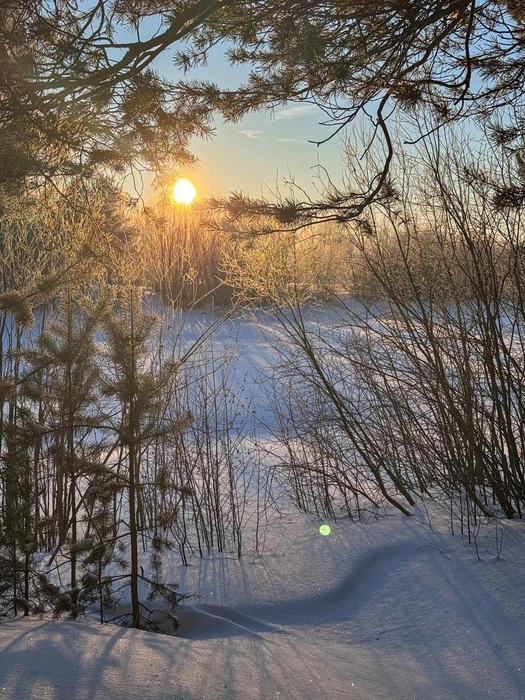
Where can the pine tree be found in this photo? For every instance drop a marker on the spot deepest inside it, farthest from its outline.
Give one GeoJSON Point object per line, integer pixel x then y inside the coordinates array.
{"type": "Point", "coordinates": [65, 362]}
{"type": "Point", "coordinates": [142, 394]}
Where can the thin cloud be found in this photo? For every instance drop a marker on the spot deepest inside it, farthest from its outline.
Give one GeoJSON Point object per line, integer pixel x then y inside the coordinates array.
{"type": "Point", "coordinates": [251, 133]}
{"type": "Point", "coordinates": [294, 112]}
{"type": "Point", "coordinates": [290, 140]}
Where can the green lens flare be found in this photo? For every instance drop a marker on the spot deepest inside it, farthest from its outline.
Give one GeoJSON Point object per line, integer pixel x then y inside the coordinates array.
{"type": "Point", "coordinates": [324, 530]}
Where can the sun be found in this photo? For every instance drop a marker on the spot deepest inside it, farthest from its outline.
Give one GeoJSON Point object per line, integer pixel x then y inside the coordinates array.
{"type": "Point", "coordinates": [183, 191]}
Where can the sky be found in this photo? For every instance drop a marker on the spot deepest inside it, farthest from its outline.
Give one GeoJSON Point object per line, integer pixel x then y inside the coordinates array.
{"type": "Point", "coordinates": [265, 150]}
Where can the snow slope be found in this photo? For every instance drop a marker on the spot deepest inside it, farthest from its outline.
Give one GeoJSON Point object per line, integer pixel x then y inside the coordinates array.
{"type": "Point", "coordinates": [396, 608]}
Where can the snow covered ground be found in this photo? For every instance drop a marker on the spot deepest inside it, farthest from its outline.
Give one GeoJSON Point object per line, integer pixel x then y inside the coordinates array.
{"type": "Point", "coordinates": [394, 608]}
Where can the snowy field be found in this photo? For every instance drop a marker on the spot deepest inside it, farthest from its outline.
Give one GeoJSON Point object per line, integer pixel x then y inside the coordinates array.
{"type": "Point", "coordinates": [394, 608]}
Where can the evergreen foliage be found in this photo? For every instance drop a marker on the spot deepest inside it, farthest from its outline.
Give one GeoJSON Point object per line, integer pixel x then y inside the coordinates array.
{"type": "Point", "coordinates": [377, 62]}
{"type": "Point", "coordinates": [78, 93]}
{"type": "Point", "coordinates": [88, 99]}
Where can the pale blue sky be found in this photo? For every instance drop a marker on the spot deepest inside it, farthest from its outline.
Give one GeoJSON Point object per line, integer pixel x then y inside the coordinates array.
{"type": "Point", "coordinates": [265, 149]}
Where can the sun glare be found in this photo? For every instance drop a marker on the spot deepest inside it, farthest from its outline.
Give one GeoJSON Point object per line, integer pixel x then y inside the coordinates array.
{"type": "Point", "coordinates": [183, 191]}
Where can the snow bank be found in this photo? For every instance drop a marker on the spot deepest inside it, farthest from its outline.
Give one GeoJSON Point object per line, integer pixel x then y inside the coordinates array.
{"type": "Point", "coordinates": [390, 609]}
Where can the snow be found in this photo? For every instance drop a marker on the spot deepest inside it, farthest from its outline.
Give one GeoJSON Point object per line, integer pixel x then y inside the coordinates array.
{"type": "Point", "coordinates": [396, 607]}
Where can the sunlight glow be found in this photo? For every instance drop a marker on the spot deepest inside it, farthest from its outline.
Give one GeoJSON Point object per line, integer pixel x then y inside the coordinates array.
{"type": "Point", "coordinates": [324, 530]}
{"type": "Point", "coordinates": [183, 191]}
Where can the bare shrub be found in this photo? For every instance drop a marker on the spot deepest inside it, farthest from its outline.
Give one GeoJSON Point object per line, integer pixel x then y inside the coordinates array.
{"type": "Point", "coordinates": [411, 384]}
{"type": "Point", "coordinates": [182, 260]}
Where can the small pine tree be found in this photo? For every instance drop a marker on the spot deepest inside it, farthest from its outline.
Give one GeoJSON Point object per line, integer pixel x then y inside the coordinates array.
{"type": "Point", "coordinates": [142, 393]}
